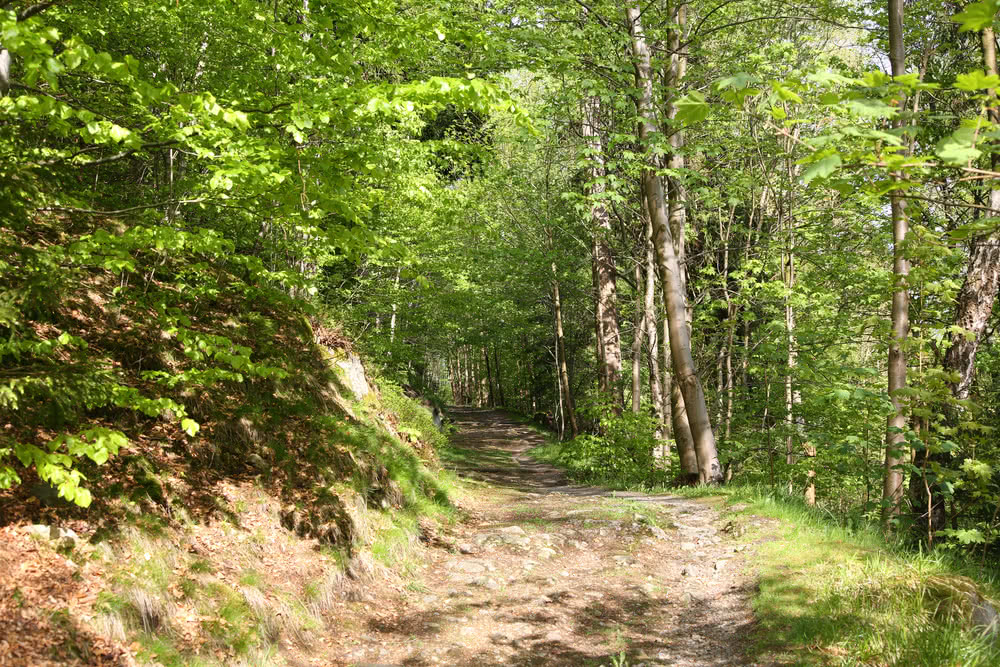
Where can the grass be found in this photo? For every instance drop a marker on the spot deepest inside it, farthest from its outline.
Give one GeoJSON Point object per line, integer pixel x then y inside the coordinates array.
{"type": "Point", "coordinates": [830, 595]}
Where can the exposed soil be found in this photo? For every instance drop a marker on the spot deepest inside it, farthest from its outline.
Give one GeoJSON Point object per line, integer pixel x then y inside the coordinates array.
{"type": "Point", "coordinates": [542, 572]}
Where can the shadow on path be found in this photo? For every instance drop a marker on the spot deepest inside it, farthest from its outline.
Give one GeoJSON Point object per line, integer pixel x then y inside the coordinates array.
{"type": "Point", "coordinates": [494, 446]}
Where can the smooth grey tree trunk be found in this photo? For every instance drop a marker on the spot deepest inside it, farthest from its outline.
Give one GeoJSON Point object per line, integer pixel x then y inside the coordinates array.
{"type": "Point", "coordinates": [895, 443]}
{"type": "Point", "coordinates": [709, 471]}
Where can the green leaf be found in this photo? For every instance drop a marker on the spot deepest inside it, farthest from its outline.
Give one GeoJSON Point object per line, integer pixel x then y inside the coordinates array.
{"type": "Point", "coordinates": [785, 93]}
{"type": "Point", "coordinates": [870, 108]}
{"type": "Point", "coordinates": [190, 426]}
{"type": "Point", "coordinates": [959, 147]}
{"type": "Point", "coordinates": [692, 108]}
{"type": "Point", "coordinates": [977, 15]}
{"type": "Point", "coordinates": [976, 80]}
{"type": "Point", "coordinates": [822, 169]}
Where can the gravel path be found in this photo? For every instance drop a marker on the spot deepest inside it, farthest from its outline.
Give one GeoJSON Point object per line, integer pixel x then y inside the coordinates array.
{"type": "Point", "coordinates": [542, 572]}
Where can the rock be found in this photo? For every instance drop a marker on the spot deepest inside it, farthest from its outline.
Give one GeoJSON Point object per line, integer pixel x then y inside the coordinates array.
{"type": "Point", "coordinates": [624, 561]}
{"type": "Point", "coordinates": [512, 530]}
{"type": "Point", "coordinates": [985, 617]}
{"type": "Point", "coordinates": [720, 565]}
{"type": "Point", "coordinates": [649, 588]}
{"type": "Point", "coordinates": [466, 549]}
{"type": "Point", "coordinates": [529, 565]}
{"type": "Point", "coordinates": [658, 532]}
{"type": "Point", "coordinates": [545, 599]}
{"type": "Point", "coordinates": [516, 540]}
{"type": "Point", "coordinates": [257, 462]}
{"type": "Point", "coordinates": [545, 553]}
{"type": "Point", "coordinates": [686, 598]}
{"type": "Point", "coordinates": [354, 373]}
{"type": "Point", "coordinates": [687, 571]}
{"type": "Point", "coordinates": [553, 636]}
{"type": "Point", "coordinates": [62, 537]}
{"type": "Point", "coordinates": [579, 545]}
{"type": "Point", "coordinates": [39, 530]}
{"type": "Point", "coordinates": [688, 546]}
{"type": "Point", "coordinates": [470, 567]}
{"type": "Point", "coordinates": [486, 582]}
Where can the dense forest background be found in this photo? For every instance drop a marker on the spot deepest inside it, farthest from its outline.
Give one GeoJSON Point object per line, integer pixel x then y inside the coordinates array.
{"type": "Point", "coordinates": [751, 243]}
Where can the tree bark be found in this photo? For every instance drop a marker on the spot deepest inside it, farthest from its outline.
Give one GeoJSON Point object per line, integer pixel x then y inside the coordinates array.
{"type": "Point", "coordinates": [490, 397]}
{"type": "Point", "coordinates": [982, 276]}
{"type": "Point", "coordinates": [652, 343]}
{"type": "Point", "coordinates": [709, 471]}
{"type": "Point", "coordinates": [569, 407]}
{"type": "Point", "coordinates": [639, 331]}
{"type": "Point", "coordinates": [496, 370]}
{"type": "Point", "coordinates": [895, 444]}
{"type": "Point", "coordinates": [605, 274]}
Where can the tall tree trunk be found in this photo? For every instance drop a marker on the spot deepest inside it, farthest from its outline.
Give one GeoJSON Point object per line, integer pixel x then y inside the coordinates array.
{"type": "Point", "coordinates": [675, 299]}
{"type": "Point", "coordinates": [490, 398]}
{"type": "Point", "coordinates": [637, 336]}
{"type": "Point", "coordinates": [605, 274]}
{"type": "Point", "coordinates": [973, 310]}
{"type": "Point", "coordinates": [982, 276]}
{"type": "Point", "coordinates": [652, 343]}
{"type": "Point", "coordinates": [895, 444]}
{"type": "Point", "coordinates": [496, 369]}
{"type": "Point", "coordinates": [563, 369]}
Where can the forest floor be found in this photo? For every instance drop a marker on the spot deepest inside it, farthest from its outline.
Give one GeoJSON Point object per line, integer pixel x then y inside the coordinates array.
{"type": "Point", "coordinates": [541, 572]}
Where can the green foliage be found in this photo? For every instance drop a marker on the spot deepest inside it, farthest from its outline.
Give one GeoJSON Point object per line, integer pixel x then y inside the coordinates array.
{"type": "Point", "coordinates": [621, 453]}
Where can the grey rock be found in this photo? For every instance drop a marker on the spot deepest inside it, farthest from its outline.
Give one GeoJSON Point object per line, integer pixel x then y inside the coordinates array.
{"type": "Point", "coordinates": [658, 532]}
{"type": "Point", "coordinates": [545, 553]}
{"type": "Point", "coordinates": [470, 567]}
{"type": "Point", "coordinates": [486, 582]}
{"type": "Point", "coordinates": [62, 537]}
{"type": "Point", "coordinates": [466, 549]}
{"type": "Point", "coordinates": [720, 564]}
{"type": "Point", "coordinates": [688, 546]}
{"type": "Point", "coordinates": [257, 462]}
{"type": "Point", "coordinates": [512, 530]}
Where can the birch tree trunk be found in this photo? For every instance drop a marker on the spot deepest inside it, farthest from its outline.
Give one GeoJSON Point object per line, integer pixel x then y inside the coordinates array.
{"type": "Point", "coordinates": [675, 300]}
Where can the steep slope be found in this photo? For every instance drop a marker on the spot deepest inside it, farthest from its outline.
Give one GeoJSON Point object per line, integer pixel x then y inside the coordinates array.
{"type": "Point", "coordinates": [233, 469]}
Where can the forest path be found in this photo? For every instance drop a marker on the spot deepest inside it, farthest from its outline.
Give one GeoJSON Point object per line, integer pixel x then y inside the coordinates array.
{"type": "Point", "coordinates": [542, 572]}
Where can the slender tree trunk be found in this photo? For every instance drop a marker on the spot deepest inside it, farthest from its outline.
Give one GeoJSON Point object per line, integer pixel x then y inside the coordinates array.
{"type": "Point", "coordinates": [665, 374]}
{"type": "Point", "coordinates": [563, 370]}
{"type": "Point", "coordinates": [686, 378]}
{"type": "Point", "coordinates": [649, 306]}
{"type": "Point", "coordinates": [895, 444]}
{"type": "Point", "coordinates": [490, 397]}
{"type": "Point", "coordinates": [392, 320]}
{"type": "Point", "coordinates": [605, 274]}
{"type": "Point", "coordinates": [499, 374]}
{"type": "Point", "coordinates": [637, 336]}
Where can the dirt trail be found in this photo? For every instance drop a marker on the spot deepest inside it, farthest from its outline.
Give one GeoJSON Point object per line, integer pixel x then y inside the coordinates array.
{"type": "Point", "coordinates": [542, 572]}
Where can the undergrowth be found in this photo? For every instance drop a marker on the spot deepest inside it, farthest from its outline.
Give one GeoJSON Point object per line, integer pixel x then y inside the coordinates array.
{"type": "Point", "coordinates": [838, 594]}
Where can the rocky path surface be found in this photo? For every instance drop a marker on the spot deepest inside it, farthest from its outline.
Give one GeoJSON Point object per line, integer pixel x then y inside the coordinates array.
{"type": "Point", "coordinates": [542, 572]}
